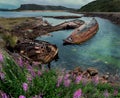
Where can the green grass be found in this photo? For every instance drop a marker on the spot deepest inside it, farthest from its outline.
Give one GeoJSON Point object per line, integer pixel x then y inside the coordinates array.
{"type": "Point", "coordinates": [9, 23]}
{"type": "Point", "coordinates": [45, 83]}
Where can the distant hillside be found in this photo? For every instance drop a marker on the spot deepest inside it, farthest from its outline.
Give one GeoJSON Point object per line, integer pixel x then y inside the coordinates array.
{"type": "Point", "coordinates": [102, 6]}
{"type": "Point", "coordinates": [42, 7]}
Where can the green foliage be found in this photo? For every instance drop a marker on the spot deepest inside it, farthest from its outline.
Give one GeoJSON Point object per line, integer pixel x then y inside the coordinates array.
{"type": "Point", "coordinates": [10, 39]}
{"type": "Point", "coordinates": [102, 6]}
{"type": "Point", "coordinates": [45, 84]}
{"type": "Point", "coordinates": [14, 77]}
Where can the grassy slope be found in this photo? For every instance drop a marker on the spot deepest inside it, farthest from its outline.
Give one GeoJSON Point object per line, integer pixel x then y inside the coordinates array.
{"type": "Point", "coordinates": [8, 23]}
{"type": "Point", "coordinates": [102, 6]}
{"type": "Point", "coordinates": [43, 82]}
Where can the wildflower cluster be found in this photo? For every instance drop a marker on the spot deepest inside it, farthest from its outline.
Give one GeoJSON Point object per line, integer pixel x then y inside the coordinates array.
{"type": "Point", "coordinates": [25, 81]}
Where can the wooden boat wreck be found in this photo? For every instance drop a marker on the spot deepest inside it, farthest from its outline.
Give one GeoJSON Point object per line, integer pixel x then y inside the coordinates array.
{"type": "Point", "coordinates": [69, 25]}
{"type": "Point", "coordinates": [83, 33]}
{"type": "Point", "coordinates": [39, 51]}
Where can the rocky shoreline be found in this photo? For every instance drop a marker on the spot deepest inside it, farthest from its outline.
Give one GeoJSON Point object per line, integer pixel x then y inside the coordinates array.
{"type": "Point", "coordinates": [112, 16]}
{"type": "Point", "coordinates": [30, 28]}
{"type": "Point", "coordinates": [19, 36]}
{"type": "Point", "coordinates": [92, 73]}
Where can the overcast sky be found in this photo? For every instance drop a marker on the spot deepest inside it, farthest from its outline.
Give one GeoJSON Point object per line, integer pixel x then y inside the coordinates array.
{"type": "Point", "coordinates": [67, 3]}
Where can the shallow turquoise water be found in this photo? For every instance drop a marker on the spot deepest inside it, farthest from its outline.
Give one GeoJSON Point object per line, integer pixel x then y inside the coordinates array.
{"type": "Point", "coordinates": [101, 52]}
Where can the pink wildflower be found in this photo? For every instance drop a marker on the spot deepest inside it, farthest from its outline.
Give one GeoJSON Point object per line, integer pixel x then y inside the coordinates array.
{"type": "Point", "coordinates": [31, 70]}
{"type": "Point", "coordinates": [4, 95]}
{"type": "Point", "coordinates": [20, 62]}
{"type": "Point", "coordinates": [36, 63]}
{"type": "Point", "coordinates": [2, 75]}
{"type": "Point", "coordinates": [29, 78]}
{"type": "Point", "coordinates": [22, 96]}
{"type": "Point", "coordinates": [95, 80]}
{"type": "Point", "coordinates": [60, 78]}
{"type": "Point", "coordinates": [77, 94]}
{"type": "Point", "coordinates": [67, 82]}
{"type": "Point", "coordinates": [66, 76]}
{"type": "Point", "coordinates": [106, 94]}
{"type": "Point", "coordinates": [78, 79]}
{"type": "Point", "coordinates": [84, 81]}
{"type": "Point", "coordinates": [115, 92]}
{"type": "Point", "coordinates": [33, 73]}
{"type": "Point", "coordinates": [63, 71]}
{"type": "Point", "coordinates": [39, 73]}
{"type": "Point", "coordinates": [25, 86]}
{"type": "Point", "coordinates": [1, 57]}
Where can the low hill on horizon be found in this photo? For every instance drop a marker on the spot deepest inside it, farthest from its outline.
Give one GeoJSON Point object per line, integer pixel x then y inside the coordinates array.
{"type": "Point", "coordinates": [101, 6]}
{"type": "Point", "coordinates": [42, 7]}
{"type": "Point", "coordinates": [38, 7]}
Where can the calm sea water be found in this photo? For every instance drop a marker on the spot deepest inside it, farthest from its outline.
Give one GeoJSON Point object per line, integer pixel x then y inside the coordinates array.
{"type": "Point", "coordinates": [8, 14]}
{"type": "Point", "coordinates": [102, 51]}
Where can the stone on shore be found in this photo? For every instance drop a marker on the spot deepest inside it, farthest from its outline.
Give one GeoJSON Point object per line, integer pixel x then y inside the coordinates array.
{"type": "Point", "coordinates": [92, 71]}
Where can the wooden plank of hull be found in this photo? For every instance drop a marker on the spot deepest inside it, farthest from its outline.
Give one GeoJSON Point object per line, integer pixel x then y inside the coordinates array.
{"type": "Point", "coordinates": [76, 38]}
{"type": "Point", "coordinates": [46, 58]}
{"type": "Point", "coordinates": [38, 51]}
{"type": "Point", "coordinates": [51, 55]}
